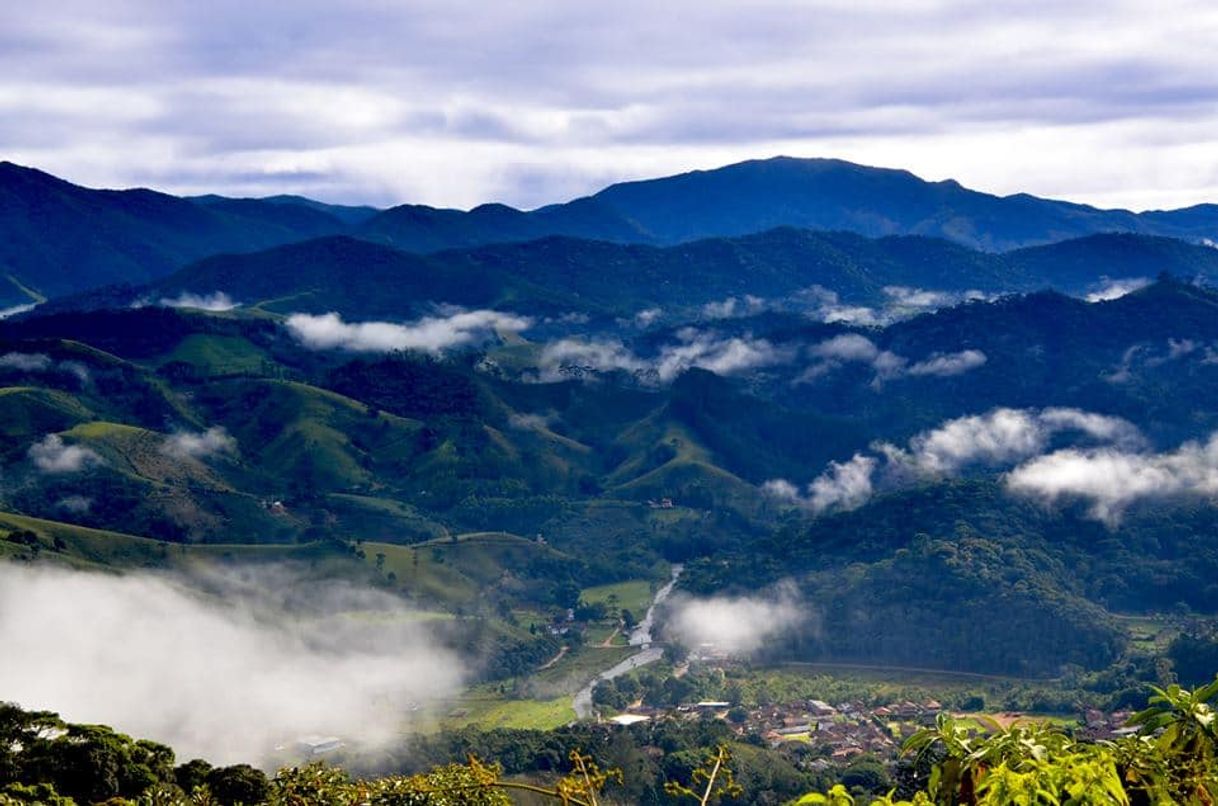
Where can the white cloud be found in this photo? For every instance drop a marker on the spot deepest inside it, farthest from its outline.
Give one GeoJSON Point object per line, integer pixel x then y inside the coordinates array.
{"type": "Point", "coordinates": [847, 348]}
{"type": "Point", "coordinates": [53, 455]}
{"type": "Point", "coordinates": [720, 356]}
{"type": "Point", "coordinates": [733, 307]}
{"type": "Point", "coordinates": [998, 438]}
{"type": "Point", "coordinates": [782, 490]}
{"type": "Point", "coordinates": [213, 441]}
{"type": "Point", "coordinates": [26, 362]}
{"type": "Point", "coordinates": [825, 305]}
{"type": "Point", "coordinates": [136, 92]}
{"type": "Point", "coordinates": [852, 348]}
{"type": "Point", "coordinates": [268, 657]}
{"type": "Point", "coordinates": [1147, 355]}
{"type": "Point", "coordinates": [1115, 289]}
{"type": "Point", "coordinates": [1004, 436]}
{"type": "Point", "coordinates": [1112, 479]}
{"type": "Point", "coordinates": [943, 365]}
{"type": "Point", "coordinates": [41, 362]}
{"type": "Point", "coordinates": [215, 302]}
{"type": "Point", "coordinates": [13, 310]}
{"type": "Point", "coordinates": [901, 302]}
{"type": "Point", "coordinates": [647, 317]}
{"type": "Point", "coordinates": [566, 358]}
{"type": "Point", "coordinates": [432, 334]}
{"type": "Point", "coordinates": [702, 349]}
{"type": "Point", "coordinates": [738, 625]}
{"type": "Point", "coordinates": [844, 485]}
{"type": "Point", "coordinates": [911, 301]}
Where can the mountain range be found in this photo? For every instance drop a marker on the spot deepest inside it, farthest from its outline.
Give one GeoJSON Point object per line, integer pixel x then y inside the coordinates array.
{"type": "Point", "coordinates": [57, 238]}
{"type": "Point", "coordinates": [735, 369]}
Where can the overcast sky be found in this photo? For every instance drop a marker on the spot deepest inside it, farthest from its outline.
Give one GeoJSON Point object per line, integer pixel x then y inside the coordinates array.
{"type": "Point", "coordinates": [453, 103]}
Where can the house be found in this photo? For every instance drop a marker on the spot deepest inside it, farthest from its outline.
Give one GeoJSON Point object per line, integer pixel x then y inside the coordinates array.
{"type": "Point", "coordinates": [821, 708]}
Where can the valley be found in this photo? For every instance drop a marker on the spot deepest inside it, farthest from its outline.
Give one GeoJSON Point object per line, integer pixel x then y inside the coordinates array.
{"type": "Point", "coordinates": [666, 488]}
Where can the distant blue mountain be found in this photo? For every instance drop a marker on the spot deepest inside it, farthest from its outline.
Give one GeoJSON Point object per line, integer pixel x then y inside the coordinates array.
{"type": "Point", "coordinates": [57, 238]}
{"type": "Point", "coordinates": [759, 195]}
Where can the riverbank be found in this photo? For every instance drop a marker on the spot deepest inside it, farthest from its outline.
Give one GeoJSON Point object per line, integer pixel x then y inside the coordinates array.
{"type": "Point", "coordinates": [641, 636]}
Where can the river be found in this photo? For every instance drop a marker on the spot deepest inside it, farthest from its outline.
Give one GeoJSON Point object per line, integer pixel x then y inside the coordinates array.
{"type": "Point", "coordinates": [640, 636]}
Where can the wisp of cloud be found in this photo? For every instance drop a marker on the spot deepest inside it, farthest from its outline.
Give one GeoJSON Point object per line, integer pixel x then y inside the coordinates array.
{"type": "Point", "coordinates": [737, 625]}
{"type": "Point", "coordinates": [1000, 437]}
{"type": "Point", "coordinates": [215, 302]}
{"type": "Point", "coordinates": [213, 441]}
{"type": "Point", "coordinates": [52, 455]}
{"type": "Point", "coordinates": [431, 334]}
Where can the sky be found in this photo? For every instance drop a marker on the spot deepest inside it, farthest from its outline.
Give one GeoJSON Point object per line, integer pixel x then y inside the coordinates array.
{"type": "Point", "coordinates": [455, 103]}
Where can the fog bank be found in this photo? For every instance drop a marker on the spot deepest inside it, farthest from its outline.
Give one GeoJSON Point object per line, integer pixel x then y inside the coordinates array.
{"type": "Point", "coordinates": [224, 675]}
{"type": "Point", "coordinates": [737, 625]}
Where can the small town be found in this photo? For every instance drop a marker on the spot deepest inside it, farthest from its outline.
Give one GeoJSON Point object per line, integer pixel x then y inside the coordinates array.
{"type": "Point", "coordinates": [838, 733]}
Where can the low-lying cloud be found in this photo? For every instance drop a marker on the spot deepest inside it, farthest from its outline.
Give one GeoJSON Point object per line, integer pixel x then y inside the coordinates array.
{"type": "Point", "coordinates": [13, 310]}
{"type": "Point", "coordinates": [1115, 289]}
{"type": "Point", "coordinates": [945, 365]}
{"type": "Point", "coordinates": [215, 440]}
{"type": "Point", "coordinates": [852, 348]}
{"type": "Point", "coordinates": [738, 625]}
{"type": "Point", "coordinates": [227, 675]}
{"type": "Point", "coordinates": [1149, 355]}
{"type": "Point", "coordinates": [216, 302]}
{"type": "Point", "coordinates": [733, 307]}
{"type": "Point", "coordinates": [1000, 438]}
{"type": "Point", "coordinates": [41, 362]}
{"type": "Point", "coordinates": [1111, 479]}
{"type": "Point", "coordinates": [26, 362]}
{"type": "Point", "coordinates": [647, 317]}
{"type": "Point", "coordinates": [431, 334]}
{"type": "Point", "coordinates": [52, 455]}
{"type": "Point", "coordinates": [1004, 436]}
{"type": "Point", "coordinates": [707, 350]}
{"type": "Point", "coordinates": [900, 302]}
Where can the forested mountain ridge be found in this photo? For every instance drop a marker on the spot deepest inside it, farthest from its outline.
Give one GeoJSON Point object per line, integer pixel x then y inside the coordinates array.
{"type": "Point", "coordinates": [60, 238]}
{"type": "Point", "coordinates": [830, 275]}
{"type": "Point", "coordinates": [57, 238]}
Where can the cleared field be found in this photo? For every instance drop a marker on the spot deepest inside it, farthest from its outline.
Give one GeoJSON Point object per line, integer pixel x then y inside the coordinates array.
{"type": "Point", "coordinates": [1149, 633]}
{"type": "Point", "coordinates": [487, 711]}
{"type": "Point", "coordinates": [217, 355]}
{"type": "Point", "coordinates": [634, 595]}
{"type": "Point", "coordinates": [82, 546]}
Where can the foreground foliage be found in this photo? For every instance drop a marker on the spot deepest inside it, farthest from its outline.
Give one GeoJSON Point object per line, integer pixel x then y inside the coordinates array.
{"type": "Point", "coordinates": [1173, 759]}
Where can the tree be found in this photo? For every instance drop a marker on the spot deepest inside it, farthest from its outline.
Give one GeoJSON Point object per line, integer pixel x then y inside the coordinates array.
{"type": "Point", "coordinates": [192, 774]}
{"type": "Point", "coordinates": [238, 784]}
